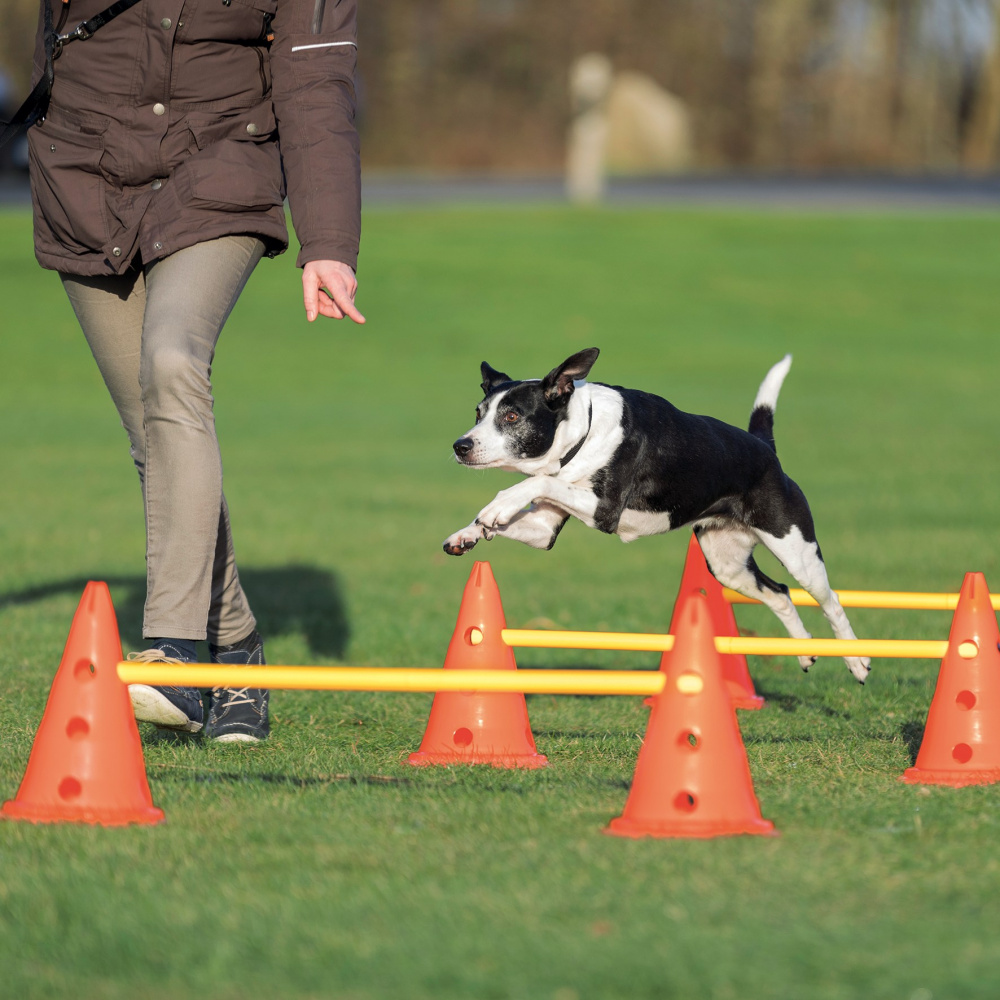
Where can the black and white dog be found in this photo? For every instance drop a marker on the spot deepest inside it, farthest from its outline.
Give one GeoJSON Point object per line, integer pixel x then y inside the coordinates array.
{"type": "Point", "coordinates": [629, 463]}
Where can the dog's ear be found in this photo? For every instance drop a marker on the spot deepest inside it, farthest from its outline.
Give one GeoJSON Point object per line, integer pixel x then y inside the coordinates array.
{"type": "Point", "coordinates": [558, 384]}
{"type": "Point", "coordinates": [492, 378]}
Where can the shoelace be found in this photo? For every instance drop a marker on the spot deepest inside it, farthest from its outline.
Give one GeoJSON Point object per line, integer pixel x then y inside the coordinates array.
{"type": "Point", "coordinates": [153, 656]}
{"type": "Point", "coordinates": [237, 696]}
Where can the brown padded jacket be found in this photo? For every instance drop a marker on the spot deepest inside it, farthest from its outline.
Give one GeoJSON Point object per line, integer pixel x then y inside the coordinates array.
{"type": "Point", "coordinates": [179, 122]}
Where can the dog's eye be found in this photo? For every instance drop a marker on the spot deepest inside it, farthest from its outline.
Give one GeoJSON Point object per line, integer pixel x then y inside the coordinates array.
{"type": "Point", "coordinates": [511, 417]}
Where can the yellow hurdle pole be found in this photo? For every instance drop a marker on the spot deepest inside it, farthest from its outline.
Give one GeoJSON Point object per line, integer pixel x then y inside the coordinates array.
{"type": "Point", "coordinates": [637, 682]}
{"type": "Point", "coordinates": [901, 600]}
{"type": "Point", "coordinates": [638, 642]}
{"type": "Point", "coordinates": [930, 649]}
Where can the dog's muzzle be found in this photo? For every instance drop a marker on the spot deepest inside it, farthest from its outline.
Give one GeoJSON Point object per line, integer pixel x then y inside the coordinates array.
{"type": "Point", "coordinates": [463, 447]}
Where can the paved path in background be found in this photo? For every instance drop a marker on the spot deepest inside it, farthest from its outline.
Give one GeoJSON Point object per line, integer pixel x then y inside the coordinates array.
{"type": "Point", "coordinates": [792, 192]}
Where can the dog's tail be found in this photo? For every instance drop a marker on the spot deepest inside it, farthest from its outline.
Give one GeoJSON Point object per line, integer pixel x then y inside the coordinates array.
{"type": "Point", "coordinates": [762, 417]}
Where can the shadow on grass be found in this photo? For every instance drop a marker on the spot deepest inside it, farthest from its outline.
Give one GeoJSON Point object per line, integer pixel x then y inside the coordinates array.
{"type": "Point", "coordinates": [792, 703]}
{"type": "Point", "coordinates": [295, 781]}
{"type": "Point", "coordinates": [286, 600]}
{"type": "Point", "coordinates": [913, 735]}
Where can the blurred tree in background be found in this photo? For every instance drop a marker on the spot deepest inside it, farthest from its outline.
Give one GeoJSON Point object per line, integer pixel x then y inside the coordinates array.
{"type": "Point", "coordinates": [453, 85]}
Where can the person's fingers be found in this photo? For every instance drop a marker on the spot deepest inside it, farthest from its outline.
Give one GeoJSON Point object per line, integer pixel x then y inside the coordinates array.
{"type": "Point", "coordinates": [310, 294]}
{"type": "Point", "coordinates": [328, 306]}
{"type": "Point", "coordinates": [342, 302]}
{"type": "Point", "coordinates": [328, 290]}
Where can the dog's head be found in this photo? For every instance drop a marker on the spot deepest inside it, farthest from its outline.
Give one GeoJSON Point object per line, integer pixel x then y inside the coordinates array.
{"type": "Point", "coordinates": [517, 421]}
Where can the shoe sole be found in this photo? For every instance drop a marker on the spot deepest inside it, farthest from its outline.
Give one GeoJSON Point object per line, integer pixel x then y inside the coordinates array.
{"type": "Point", "coordinates": [236, 738]}
{"type": "Point", "coordinates": [150, 705]}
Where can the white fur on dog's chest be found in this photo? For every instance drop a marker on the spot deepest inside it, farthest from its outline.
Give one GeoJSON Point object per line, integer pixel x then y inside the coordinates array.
{"type": "Point", "coordinates": [635, 524]}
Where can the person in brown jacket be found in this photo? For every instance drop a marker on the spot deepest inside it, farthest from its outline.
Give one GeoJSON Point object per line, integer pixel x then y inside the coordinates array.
{"type": "Point", "coordinates": [159, 174]}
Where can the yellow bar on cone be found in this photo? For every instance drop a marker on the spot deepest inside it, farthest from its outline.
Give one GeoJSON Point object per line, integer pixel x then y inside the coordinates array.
{"type": "Point", "coordinates": [928, 649]}
{"type": "Point", "coordinates": [638, 682]}
{"type": "Point", "coordinates": [747, 645]}
{"type": "Point", "coordinates": [557, 639]}
{"type": "Point", "coordinates": [901, 600]}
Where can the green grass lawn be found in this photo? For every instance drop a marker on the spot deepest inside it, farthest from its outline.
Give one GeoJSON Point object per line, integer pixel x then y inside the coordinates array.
{"type": "Point", "coordinates": [320, 864]}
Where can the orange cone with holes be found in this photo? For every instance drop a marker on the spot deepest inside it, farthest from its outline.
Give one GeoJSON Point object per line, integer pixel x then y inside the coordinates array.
{"type": "Point", "coordinates": [86, 764]}
{"type": "Point", "coordinates": [692, 778]}
{"type": "Point", "coordinates": [468, 727]}
{"type": "Point", "coordinates": [697, 578]}
{"type": "Point", "coordinates": [961, 743]}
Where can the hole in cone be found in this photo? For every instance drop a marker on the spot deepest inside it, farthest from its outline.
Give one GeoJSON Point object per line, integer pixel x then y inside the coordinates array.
{"type": "Point", "coordinates": [968, 650]}
{"type": "Point", "coordinates": [962, 753]}
{"type": "Point", "coordinates": [685, 802]}
{"type": "Point", "coordinates": [77, 728]}
{"type": "Point", "coordinates": [70, 788]}
{"type": "Point", "coordinates": [474, 636]}
{"type": "Point", "coordinates": [462, 738]}
{"type": "Point", "coordinates": [965, 700]}
{"type": "Point", "coordinates": [690, 739]}
{"type": "Point", "coordinates": [84, 670]}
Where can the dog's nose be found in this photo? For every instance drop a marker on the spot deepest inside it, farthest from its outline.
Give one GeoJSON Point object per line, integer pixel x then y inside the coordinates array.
{"type": "Point", "coordinates": [463, 446]}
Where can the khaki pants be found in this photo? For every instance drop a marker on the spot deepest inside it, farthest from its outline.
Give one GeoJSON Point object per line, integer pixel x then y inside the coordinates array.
{"type": "Point", "coordinates": [153, 334]}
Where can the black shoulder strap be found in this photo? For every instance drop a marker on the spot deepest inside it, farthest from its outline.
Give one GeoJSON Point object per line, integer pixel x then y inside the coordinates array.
{"type": "Point", "coordinates": [85, 29]}
{"type": "Point", "coordinates": [37, 103]}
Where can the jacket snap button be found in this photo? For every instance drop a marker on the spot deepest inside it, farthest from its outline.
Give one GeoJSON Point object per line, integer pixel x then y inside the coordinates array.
{"type": "Point", "coordinates": [157, 246]}
{"type": "Point", "coordinates": [165, 23]}
{"type": "Point", "coordinates": [157, 184]}
{"type": "Point", "coordinates": [52, 148]}
{"type": "Point", "coordinates": [117, 251]}
{"type": "Point", "coordinates": [159, 109]}
{"type": "Point", "coordinates": [252, 129]}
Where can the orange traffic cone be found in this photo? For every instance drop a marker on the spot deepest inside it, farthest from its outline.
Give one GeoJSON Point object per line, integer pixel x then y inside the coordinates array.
{"type": "Point", "coordinates": [692, 778]}
{"type": "Point", "coordinates": [86, 763]}
{"type": "Point", "coordinates": [697, 578]}
{"type": "Point", "coordinates": [961, 744]}
{"type": "Point", "coordinates": [472, 727]}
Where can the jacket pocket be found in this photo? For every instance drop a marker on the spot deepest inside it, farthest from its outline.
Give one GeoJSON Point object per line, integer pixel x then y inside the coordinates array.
{"type": "Point", "coordinates": [68, 187]}
{"type": "Point", "coordinates": [253, 126]}
{"type": "Point", "coordinates": [233, 179]}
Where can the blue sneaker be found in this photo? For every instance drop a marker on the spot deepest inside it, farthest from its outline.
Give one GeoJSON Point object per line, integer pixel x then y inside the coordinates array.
{"type": "Point", "coordinates": [239, 715]}
{"type": "Point", "coordinates": [175, 708]}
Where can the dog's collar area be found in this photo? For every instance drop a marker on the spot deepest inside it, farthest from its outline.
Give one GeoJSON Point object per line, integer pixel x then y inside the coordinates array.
{"type": "Point", "coordinates": [575, 450]}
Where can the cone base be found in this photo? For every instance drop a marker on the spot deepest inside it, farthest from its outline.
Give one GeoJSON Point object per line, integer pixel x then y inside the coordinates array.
{"type": "Point", "coordinates": [954, 779]}
{"type": "Point", "coordinates": [82, 814]}
{"type": "Point", "coordinates": [748, 702]}
{"type": "Point", "coordinates": [423, 759]}
{"type": "Point", "coordinates": [703, 829]}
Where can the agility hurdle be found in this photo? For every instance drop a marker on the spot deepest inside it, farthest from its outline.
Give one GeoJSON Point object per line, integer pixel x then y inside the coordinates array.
{"type": "Point", "coordinates": [876, 599]}
{"type": "Point", "coordinates": [400, 679]}
{"type": "Point", "coordinates": [607, 682]}
{"type": "Point", "coordinates": [929, 649]}
{"type": "Point", "coordinates": [691, 778]}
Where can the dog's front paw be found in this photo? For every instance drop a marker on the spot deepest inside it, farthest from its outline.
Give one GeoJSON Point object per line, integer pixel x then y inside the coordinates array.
{"type": "Point", "coordinates": [497, 515]}
{"type": "Point", "coordinates": [460, 542]}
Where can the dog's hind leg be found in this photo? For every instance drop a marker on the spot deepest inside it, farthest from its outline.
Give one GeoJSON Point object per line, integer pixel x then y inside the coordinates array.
{"type": "Point", "coordinates": [802, 558]}
{"type": "Point", "coordinates": [729, 554]}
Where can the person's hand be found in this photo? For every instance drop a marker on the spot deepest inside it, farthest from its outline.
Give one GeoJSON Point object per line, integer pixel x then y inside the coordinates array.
{"type": "Point", "coordinates": [328, 289]}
